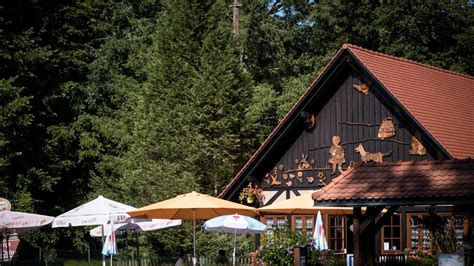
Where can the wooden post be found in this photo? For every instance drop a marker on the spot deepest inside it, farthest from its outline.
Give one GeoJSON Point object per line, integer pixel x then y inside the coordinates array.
{"type": "Point", "coordinates": [296, 256]}
{"type": "Point", "coordinates": [356, 234]}
{"type": "Point", "coordinates": [370, 238]}
{"type": "Point", "coordinates": [235, 15]}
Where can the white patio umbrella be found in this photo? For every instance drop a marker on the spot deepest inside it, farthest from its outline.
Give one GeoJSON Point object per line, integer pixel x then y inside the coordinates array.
{"type": "Point", "coordinates": [14, 222]}
{"type": "Point", "coordinates": [236, 224]}
{"type": "Point", "coordinates": [319, 237]}
{"type": "Point", "coordinates": [99, 211]}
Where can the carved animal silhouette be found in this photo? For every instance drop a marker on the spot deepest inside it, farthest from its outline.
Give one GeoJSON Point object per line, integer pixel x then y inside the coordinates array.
{"type": "Point", "coordinates": [364, 88]}
{"type": "Point", "coordinates": [367, 156]}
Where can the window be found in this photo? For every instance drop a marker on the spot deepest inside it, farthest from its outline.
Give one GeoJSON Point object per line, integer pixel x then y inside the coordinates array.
{"type": "Point", "coordinates": [273, 221]}
{"type": "Point", "coordinates": [336, 232]}
{"type": "Point", "coordinates": [419, 236]}
{"type": "Point", "coordinates": [303, 224]}
{"type": "Point", "coordinates": [391, 235]}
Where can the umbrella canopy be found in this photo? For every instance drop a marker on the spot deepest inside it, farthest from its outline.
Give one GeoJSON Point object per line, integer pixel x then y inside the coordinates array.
{"type": "Point", "coordinates": [303, 204]}
{"type": "Point", "coordinates": [11, 222]}
{"type": "Point", "coordinates": [96, 212]}
{"type": "Point", "coordinates": [22, 221]}
{"type": "Point", "coordinates": [192, 206]}
{"type": "Point", "coordinates": [137, 226]}
{"type": "Point", "coordinates": [319, 237]}
{"type": "Point", "coordinates": [236, 224]}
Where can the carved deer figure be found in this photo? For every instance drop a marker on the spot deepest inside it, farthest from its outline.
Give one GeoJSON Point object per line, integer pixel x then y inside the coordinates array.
{"type": "Point", "coordinates": [367, 156]}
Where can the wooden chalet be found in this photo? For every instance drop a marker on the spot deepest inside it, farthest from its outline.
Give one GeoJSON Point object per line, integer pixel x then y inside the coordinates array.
{"type": "Point", "coordinates": [371, 119]}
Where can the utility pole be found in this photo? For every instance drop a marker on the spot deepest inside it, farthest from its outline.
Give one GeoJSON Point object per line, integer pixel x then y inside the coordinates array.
{"type": "Point", "coordinates": [235, 15]}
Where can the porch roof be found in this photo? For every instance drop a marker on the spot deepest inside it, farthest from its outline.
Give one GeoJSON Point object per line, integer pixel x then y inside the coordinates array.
{"type": "Point", "coordinates": [401, 183]}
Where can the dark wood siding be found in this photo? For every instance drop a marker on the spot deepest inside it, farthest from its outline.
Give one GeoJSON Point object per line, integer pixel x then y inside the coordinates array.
{"type": "Point", "coordinates": [339, 108]}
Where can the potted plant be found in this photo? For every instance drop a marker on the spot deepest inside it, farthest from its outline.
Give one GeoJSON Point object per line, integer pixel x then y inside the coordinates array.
{"type": "Point", "coordinates": [251, 193]}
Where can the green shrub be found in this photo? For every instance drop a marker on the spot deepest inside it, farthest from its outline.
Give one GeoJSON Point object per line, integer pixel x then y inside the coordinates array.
{"type": "Point", "coordinates": [324, 257]}
{"type": "Point", "coordinates": [277, 246]}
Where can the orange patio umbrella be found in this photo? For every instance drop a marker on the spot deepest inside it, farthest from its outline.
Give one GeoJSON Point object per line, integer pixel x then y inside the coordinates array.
{"type": "Point", "coordinates": [192, 206]}
{"type": "Point", "coordinates": [302, 204]}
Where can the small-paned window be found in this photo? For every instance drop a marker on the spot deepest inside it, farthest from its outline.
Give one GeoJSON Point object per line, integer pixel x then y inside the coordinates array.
{"type": "Point", "coordinates": [336, 232]}
{"type": "Point", "coordinates": [392, 235]}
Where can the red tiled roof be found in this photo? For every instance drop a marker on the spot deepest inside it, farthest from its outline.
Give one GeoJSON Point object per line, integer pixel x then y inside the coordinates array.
{"type": "Point", "coordinates": [441, 101]}
{"type": "Point", "coordinates": [410, 182]}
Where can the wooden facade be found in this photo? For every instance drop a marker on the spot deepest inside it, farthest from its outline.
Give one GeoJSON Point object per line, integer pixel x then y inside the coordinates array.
{"type": "Point", "coordinates": [354, 117]}
{"type": "Point", "coordinates": [346, 106]}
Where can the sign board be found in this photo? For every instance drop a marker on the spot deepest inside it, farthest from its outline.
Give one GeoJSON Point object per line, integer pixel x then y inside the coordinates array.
{"type": "Point", "coordinates": [13, 243]}
{"type": "Point", "coordinates": [5, 205]}
{"type": "Point", "coordinates": [350, 260]}
{"type": "Point", "coordinates": [450, 260]}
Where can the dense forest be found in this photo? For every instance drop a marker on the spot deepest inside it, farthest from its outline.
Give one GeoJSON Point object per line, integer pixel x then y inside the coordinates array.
{"type": "Point", "coordinates": [141, 100]}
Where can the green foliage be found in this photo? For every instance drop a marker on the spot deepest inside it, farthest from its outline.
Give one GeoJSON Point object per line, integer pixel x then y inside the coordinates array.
{"type": "Point", "coordinates": [324, 257]}
{"type": "Point", "coordinates": [421, 260]}
{"type": "Point", "coordinates": [144, 100]}
{"type": "Point", "coordinates": [277, 246]}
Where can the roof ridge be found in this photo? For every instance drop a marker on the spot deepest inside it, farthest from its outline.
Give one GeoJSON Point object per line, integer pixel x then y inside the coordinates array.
{"type": "Point", "coordinates": [418, 162]}
{"type": "Point", "coordinates": [349, 46]}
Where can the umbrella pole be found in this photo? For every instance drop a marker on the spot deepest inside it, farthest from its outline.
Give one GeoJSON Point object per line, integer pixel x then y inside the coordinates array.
{"type": "Point", "coordinates": [194, 237]}
{"type": "Point", "coordinates": [8, 247]}
{"type": "Point", "coordinates": [126, 248]}
{"type": "Point", "coordinates": [233, 256]}
{"type": "Point", "coordinates": [1, 240]}
{"type": "Point", "coordinates": [103, 256]}
{"type": "Point", "coordinates": [138, 250]}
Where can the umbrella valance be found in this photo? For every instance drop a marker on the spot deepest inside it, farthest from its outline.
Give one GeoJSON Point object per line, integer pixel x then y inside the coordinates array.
{"type": "Point", "coordinates": [137, 226]}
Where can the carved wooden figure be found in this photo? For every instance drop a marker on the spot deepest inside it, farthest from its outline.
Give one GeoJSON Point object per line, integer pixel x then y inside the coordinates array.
{"type": "Point", "coordinates": [336, 155]}
{"type": "Point", "coordinates": [304, 164]}
{"type": "Point", "coordinates": [321, 179]}
{"type": "Point", "coordinates": [364, 88]}
{"type": "Point", "coordinates": [367, 156]}
{"type": "Point", "coordinates": [275, 181]}
{"type": "Point", "coordinates": [416, 146]}
{"type": "Point", "coordinates": [387, 129]}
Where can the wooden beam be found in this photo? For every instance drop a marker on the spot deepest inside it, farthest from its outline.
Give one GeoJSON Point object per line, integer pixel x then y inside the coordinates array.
{"type": "Point", "coordinates": [356, 237]}
{"type": "Point", "coordinates": [385, 217]}
{"type": "Point", "coordinates": [370, 215]}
